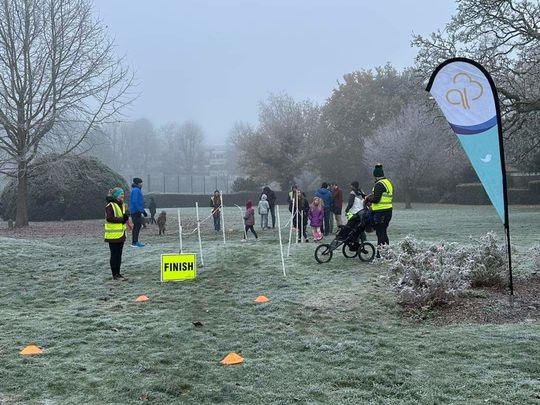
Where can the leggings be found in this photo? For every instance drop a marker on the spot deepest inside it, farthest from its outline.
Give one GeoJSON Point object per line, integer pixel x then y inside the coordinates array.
{"type": "Point", "coordinates": [250, 228]}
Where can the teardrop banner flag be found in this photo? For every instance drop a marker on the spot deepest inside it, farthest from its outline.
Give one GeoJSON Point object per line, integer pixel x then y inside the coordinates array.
{"type": "Point", "coordinates": [467, 96]}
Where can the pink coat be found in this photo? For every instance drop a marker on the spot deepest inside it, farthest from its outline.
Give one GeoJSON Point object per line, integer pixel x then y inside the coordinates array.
{"type": "Point", "coordinates": [316, 216]}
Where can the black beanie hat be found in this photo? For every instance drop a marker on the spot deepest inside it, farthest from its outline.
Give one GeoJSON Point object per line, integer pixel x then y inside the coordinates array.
{"type": "Point", "coordinates": [378, 171]}
{"type": "Point", "coordinates": [137, 180]}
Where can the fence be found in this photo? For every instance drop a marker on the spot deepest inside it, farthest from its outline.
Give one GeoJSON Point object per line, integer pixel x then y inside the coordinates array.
{"type": "Point", "coordinates": [183, 184]}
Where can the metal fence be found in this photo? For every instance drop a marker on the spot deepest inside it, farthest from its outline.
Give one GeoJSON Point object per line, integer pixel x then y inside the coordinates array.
{"type": "Point", "coordinates": [182, 184]}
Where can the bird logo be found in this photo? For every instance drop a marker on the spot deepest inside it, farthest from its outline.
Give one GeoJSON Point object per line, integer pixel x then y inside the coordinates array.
{"type": "Point", "coordinates": [487, 159]}
{"type": "Point", "coordinates": [471, 91]}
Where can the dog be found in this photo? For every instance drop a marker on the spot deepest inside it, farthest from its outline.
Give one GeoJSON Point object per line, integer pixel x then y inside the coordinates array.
{"type": "Point", "coordinates": [162, 219]}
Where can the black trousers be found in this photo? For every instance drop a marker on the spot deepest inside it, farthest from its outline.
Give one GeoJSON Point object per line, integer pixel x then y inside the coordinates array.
{"type": "Point", "coordinates": [116, 257]}
{"type": "Point", "coordinates": [250, 228]}
{"type": "Point", "coordinates": [381, 221]}
{"type": "Point", "coordinates": [137, 224]}
{"type": "Point", "coordinates": [273, 215]}
{"type": "Point", "coordinates": [152, 217]}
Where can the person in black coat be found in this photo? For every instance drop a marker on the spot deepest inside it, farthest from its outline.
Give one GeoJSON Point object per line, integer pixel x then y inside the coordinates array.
{"type": "Point", "coordinates": [271, 198]}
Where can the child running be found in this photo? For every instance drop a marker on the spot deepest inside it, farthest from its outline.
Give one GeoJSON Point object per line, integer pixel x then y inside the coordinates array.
{"type": "Point", "coordinates": [316, 217]}
{"type": "Point", "coordinates": [249, 220]}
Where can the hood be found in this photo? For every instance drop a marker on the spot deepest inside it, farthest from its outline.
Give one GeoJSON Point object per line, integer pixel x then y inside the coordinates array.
{"type": "Point", "coordinates": [324, 191]}
{"type": "Point", "coordinates": [264, 197]}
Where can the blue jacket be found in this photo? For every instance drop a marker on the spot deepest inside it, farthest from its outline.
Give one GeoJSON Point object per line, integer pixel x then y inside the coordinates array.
{"type": "Point", "coordinates": [136, 201]}
{"type": "Point", "coordinates": [326, 196]}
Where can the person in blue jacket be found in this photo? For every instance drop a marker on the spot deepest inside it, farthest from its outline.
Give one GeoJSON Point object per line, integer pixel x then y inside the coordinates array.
{"type": "Point", "coordinates": [326, 196]}
{"type": "Point", "coordinates": [136, 207]}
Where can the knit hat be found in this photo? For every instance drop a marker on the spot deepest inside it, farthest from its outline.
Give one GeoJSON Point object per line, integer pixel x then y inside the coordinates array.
{"type": "Point", "coordinates": [378, 171]}
{"type": "Point", "coordinates": [115, 192]}
{"type": "Point", "coordinates": [137, 180]}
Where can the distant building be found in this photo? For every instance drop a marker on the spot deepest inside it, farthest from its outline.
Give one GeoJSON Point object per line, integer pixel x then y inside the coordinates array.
{"type": "Point", "coordinates": [217, 162]}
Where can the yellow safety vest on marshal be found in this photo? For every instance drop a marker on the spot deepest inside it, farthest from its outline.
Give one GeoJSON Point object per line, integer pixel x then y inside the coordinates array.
{"type": "Point", "coordinates": [115, 230]}
{"type": "Point", "coordinates": [386, 199]}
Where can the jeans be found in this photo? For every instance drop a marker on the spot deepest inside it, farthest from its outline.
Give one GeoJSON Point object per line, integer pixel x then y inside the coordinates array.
{"type": "Point", "coordinates": [116, 257]}
{"type": "Point", "coordinates": [264, 221]}
{"type": "Point", "coordinates": [327, 227]}
{"type": "Point", "coordinates": [217, 222]}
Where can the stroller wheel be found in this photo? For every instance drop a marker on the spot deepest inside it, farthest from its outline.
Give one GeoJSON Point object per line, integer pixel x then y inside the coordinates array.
{"type": "Point", "coordinates": [350, 250]}
{"type": "Point", "coordinates": [366, 252]}
{"type": "Point", "coordinates": [323, 253]}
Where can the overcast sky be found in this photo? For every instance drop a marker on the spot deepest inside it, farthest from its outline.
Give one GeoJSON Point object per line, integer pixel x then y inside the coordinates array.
{"type": "Point", "coordinates": [212, 61]}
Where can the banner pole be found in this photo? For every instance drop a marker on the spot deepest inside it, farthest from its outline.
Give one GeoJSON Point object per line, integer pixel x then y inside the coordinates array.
{"type": "Point", "coordinates": [180, 231]}
{"type": "Point", "coordinates": [222, 215]}
{"type": "Point", "coordinates": [199, 233]}
{"type": "Point", "coordinates": [280, 242]}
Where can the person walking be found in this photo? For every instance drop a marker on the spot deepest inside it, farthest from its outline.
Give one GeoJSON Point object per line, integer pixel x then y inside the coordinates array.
{"type": "Point", "coordinates": [215, 204]}
{"type": "Point", "coordinates": [300, 213]}
{"type": "Point", "coordinates": [249, 220]}
{"type": "Point", "coordinates": [324, 194]}
{"type": "Point", "coordinates": [337, 202]}
{"type": "Point", "coordinates": [381, 205]}
{"type": "Point", "coordinates": [153, 208]}
{"type": "Point", "coordinates": [271, 198]}
{"type": "Point", "coordinates": [116, 218]}
{"type": "Point", "coordinates": [264, 207]}
{"type": "Point", "coordinates": [136, 206]}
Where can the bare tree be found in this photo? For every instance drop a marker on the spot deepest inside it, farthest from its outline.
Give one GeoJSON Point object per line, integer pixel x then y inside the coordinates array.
{"type": "Point", "coordinates": [281, 147]}
{"type": "Point", "coordinates": [415, 149]}
{"type": "Point", "coordinates": [184, 147]}
{"type": "Point", "coordinates": [504, 36]}
{"type": "Point", "coordinates": [59, 78]}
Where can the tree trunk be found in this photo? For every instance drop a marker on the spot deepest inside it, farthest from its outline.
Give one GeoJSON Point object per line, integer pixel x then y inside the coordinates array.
{"type": "Point", "coordinates": [408, 198]}
{"type": "Point", "coordinates": [22, 197]}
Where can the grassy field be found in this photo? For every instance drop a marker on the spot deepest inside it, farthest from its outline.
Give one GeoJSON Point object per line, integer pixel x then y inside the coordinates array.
{"type": "Point", "coordinates": [330, 334]}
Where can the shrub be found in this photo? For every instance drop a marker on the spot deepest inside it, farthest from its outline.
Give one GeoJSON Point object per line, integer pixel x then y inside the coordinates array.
{"type": "Point", "coordinates": [425, 274]}
{"type": "Point", "coordinates": [245, 184]}
{"type": "Point", "coordinates": [72, 188]}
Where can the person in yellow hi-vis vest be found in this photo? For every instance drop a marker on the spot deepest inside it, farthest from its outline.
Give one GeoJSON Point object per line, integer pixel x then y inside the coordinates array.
{"type": "Point", "coordinates": [381, 205]}
{"type": "Point", "coordinates": [116, 218]}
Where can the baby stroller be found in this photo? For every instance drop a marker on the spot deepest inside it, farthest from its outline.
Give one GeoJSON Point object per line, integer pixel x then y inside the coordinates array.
{"type": "Point", "coordinates": [353, 239]}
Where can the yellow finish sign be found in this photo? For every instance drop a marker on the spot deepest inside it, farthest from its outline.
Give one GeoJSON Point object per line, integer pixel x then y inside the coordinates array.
{"type": "Point", "coordinates": [176, 267]}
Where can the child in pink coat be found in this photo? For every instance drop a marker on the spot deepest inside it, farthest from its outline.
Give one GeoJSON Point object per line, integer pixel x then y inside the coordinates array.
{"type": "Point", "coordinates": [316, 217]}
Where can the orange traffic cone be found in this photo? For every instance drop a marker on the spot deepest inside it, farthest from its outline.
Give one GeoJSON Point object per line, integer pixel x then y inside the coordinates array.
{"type": "Point", "coordinates": [261, 299]}
{"type": "Point", "coordinates": [232, 358]}
{"type": "Point", "coordinates": [31, 349]}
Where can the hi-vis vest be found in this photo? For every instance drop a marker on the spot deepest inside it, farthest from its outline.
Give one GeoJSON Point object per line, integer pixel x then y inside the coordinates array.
{"type": "Point", "coordinates": [386, 199]}
{"type": "Point", "coordinates": [114, 230]}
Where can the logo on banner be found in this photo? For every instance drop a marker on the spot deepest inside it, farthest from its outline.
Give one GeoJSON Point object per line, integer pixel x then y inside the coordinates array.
{"type": "Point", "coordinates": [462, 96]}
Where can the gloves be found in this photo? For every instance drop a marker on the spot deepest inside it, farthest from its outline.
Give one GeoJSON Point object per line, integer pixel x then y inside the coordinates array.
{"type": "Point", "coordinates": [125, 218]}
{"type": "Point", "coordinates": [145, 214]}
{"type": "Point", "coordinates": [349, 215]}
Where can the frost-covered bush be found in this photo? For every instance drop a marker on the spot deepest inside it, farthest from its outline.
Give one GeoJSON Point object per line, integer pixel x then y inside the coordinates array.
{"type": "Point", "coordinates": [488, 263]}
{"type": "Point", "coordinates": [426, 274]}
